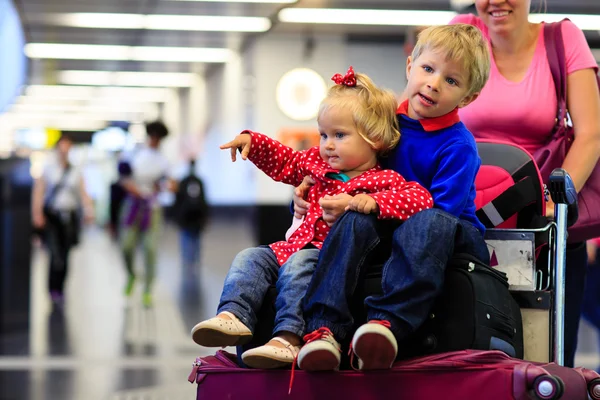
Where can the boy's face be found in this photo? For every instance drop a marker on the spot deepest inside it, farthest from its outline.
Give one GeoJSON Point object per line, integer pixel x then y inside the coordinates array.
{"type": "Point", "coordinates": [341, 145]}
{"type": "Point", "coordinates": [436, 85]}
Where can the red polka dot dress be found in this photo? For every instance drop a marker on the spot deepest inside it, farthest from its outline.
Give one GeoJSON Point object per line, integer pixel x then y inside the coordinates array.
{"type": "Point", "coordinates": [396, 198]}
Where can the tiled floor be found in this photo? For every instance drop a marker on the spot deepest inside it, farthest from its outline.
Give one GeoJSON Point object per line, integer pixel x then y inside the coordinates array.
{"type": "Point", "coordinates": [102, 347]}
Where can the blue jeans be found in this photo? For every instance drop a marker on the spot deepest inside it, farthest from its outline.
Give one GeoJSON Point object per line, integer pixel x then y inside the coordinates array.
{"type": "Point", "coordinates": [190, 247]}
{"type": "Point", "coordinates": [412, 277]}
{"type": "Point", "coordinates": [251, 274]}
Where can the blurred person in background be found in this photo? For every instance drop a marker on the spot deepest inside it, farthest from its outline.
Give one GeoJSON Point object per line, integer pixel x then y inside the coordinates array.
{"type": "Point", "coordinates": [58, 195]}
{"type": "Point", "coordinates": [141, 214]}
{"type": "Point", "coordinates": [190, 214]}
{"type": "Point", "coordinates": [117, 197]}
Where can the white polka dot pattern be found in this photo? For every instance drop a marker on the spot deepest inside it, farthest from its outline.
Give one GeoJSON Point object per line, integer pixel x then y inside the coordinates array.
{"type": "Point", "coordinates": [396, 198]}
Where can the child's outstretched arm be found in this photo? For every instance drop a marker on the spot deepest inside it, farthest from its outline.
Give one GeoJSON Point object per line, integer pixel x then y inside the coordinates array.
{"type": "Point", "coordinates": [278, 161]}
{"type": "Point", "coordinates": [242, 141]}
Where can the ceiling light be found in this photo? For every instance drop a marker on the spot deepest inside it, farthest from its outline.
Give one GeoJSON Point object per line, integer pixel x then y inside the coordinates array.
{"type": "Point", "coordinates": [161, 22]}
{"type": "Point", "coordinates": [247, 1]}
{"type": "Point", "coordinates": [584, 22]}
{"type": "Point", "coordinates": [139, 53]}
{"type": "Point", "coordinates": [407, 17]}
{"type": "Point", "coordinates": [110, 78]}
{"type": "Point", "coordinates": [364, 17]}
{"type": "Point", "coordinates": [61, 92]}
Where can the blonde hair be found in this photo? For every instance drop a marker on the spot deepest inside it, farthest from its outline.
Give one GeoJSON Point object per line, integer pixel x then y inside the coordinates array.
{"type": "Point", "coordinates": [373, 109]}
{"type": "Point", "coordinates": [462, 43]}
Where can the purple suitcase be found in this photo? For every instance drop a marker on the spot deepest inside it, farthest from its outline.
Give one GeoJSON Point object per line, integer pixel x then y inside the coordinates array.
{"type": "Point", "coordinates": [466, 374]}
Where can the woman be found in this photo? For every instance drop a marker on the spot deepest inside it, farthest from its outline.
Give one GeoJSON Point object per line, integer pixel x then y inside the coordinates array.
{"type": "Point", "coordinates": [57, 197]}
{"type": "Point", "coordinates": [518, 104]}
{"type": "Point", "coordinates": [141, 218]}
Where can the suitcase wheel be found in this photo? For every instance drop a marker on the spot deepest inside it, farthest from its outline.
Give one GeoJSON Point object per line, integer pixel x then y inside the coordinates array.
{"type": "Point", "coordinates": [594, 389]}
{"type": "Point", "coordinates": [548, 387]}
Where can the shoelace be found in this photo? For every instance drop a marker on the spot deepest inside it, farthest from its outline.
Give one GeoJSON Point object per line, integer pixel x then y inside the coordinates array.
{"type": "Point", "coordinates": [309, 337]}
{"type": "Point", "coordinates": [383, 322]}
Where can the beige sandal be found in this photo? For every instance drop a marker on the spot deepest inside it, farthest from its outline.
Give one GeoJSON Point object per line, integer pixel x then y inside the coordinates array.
{"type": "Point", "coordinates": [220, 332]}
{"type": "Point", "coordinates": [269, 356]}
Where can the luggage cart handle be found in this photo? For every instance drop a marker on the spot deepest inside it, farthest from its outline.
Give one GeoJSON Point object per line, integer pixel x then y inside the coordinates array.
{"type": "Point", "coordinates": [564, 195]}
{"type": "Point", "coordinates": [562, 190]}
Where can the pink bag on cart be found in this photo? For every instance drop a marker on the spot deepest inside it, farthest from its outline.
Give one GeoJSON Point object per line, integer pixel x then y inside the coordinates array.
{"type": "Point", "coordinates": [460, 375]}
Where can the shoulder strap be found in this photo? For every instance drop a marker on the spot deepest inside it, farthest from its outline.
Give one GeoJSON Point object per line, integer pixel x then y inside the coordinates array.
{"type": "Point", "coordinates": [58, 186]}
{"type": "Point", "coordinates": [555, 51]}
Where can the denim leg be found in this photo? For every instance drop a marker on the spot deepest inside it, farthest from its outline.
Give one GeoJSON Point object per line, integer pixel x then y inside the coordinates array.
{"type": "Point", "coordinates": [413, 276]}
{"type": "Point", "coordinates": [252, 272]}
{"type": "Point", "coordinates": [294, 278]}
{"type": "Point", "coordinates": [574, 292]}
{"type": "Point", "coordinates": [334, 281]}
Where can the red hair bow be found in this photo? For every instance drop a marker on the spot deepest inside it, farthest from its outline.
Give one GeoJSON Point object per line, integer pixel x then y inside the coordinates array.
{"type": "Point", "coordinates": [348, 80]}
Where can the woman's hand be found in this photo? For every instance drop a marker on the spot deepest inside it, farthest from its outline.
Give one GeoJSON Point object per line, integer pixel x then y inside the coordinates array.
{"type": "Point", "coordinates": [591, 251]}
{"type": "Point", "coordinates": [334, 206]}
{"type": "Point", "coordinates": [243, 141]}
{"type": "Point", "coordinates": [550, 209]}
{"type": "Point", "coordinates": [363, 203]}
{"type": "Point", "coordinates": [300, 205]}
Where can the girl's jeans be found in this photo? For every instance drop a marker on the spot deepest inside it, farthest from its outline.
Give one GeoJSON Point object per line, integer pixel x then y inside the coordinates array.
{"type": "Point", "coordinates": [251, 274]}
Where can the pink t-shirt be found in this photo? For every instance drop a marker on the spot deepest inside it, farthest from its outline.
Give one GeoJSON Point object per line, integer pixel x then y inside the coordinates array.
{"type": "Point", "coordinates": [522, 112]}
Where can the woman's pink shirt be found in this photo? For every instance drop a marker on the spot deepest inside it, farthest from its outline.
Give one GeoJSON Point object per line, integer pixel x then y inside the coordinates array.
{"type": "Point", "coordinates": [523, 112]}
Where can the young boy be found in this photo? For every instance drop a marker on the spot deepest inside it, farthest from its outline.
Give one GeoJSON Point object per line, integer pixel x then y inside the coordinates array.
{"type": "Point", "coordinates": [447, 69]}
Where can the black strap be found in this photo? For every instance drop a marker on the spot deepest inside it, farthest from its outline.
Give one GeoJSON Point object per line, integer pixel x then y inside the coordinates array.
{"type": "Point", "coordinates": [508, 203]}
{"type": "Point", "coordinates": [57, 187]}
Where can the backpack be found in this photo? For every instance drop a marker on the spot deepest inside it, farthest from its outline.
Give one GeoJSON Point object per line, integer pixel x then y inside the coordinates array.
{"type": "Point", "coordinates": [190, 204]}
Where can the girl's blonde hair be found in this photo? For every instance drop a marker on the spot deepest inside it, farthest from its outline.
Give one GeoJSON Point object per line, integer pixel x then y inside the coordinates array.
{"type": "Point", "coordinates": [373, 109]}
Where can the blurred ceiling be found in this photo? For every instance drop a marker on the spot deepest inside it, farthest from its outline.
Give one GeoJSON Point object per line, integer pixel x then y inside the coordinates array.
{"type": "Point", "coordinates": [43, 19]}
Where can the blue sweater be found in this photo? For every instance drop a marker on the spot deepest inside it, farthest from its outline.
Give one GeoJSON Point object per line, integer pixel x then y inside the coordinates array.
{"type": "Point", "coordinates": [445, 161]}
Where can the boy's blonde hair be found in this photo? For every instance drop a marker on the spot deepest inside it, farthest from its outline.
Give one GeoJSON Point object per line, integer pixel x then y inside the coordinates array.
{"type": "Point", "coordinates": [462, 43]}
{"type": "Point", "coordinates": [373, 109]}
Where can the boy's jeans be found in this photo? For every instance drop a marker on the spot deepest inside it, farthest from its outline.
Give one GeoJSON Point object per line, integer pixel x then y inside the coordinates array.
{"type": "Point", "coordinates": [412, 277]}
{"type": "Point", "coordinates": [251, 274]}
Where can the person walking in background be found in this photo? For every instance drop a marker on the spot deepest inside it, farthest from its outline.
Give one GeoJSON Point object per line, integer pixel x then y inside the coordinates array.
{"type": "Point", "coordinates": [57, 198]}
{"type": "Point", "coordinates": [141, 215]}
{"type": "Point", "coordinates": [117, 197]}
{"type": "Point", "coordinates": [190, 214]}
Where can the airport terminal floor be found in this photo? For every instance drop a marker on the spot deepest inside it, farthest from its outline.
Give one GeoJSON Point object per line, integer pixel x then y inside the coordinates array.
{"type": "Point", "coordinates": [102, 346]}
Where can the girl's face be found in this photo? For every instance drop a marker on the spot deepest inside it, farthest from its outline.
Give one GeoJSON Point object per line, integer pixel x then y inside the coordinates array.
{"type": "Point", "coordinates": [503, 16]}
{"type": "Point", "coordinates": [341, 145]}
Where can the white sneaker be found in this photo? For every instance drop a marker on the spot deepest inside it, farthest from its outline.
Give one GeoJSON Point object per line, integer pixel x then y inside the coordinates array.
{"type": "Point", "coordinates": [269, 356]}
{"type": "Point", "coordinates": [221, 332]}
{"type": "Point", "coordinates": [321, 352]}
{"type": "Point", "coordinates": [375, 345]}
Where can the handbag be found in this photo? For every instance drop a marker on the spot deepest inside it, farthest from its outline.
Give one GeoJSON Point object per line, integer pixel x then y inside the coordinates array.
{"type": "Point", "coordinates": [552, 155]}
